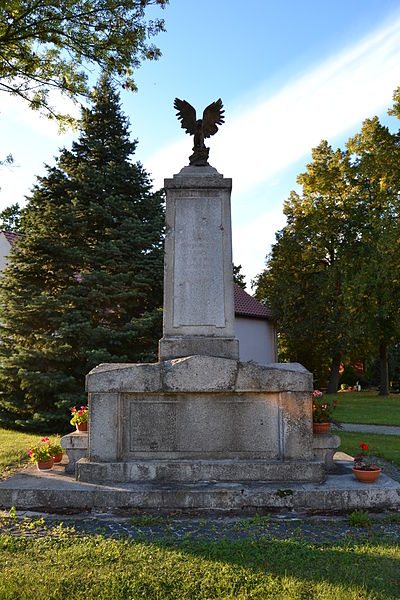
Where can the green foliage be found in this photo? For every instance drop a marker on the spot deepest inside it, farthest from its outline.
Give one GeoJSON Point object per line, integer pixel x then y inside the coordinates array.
{"type": "Point", "coordinates": [359, 518]}
{"type": "Point", "coordinates": [51, 45]}
{"type": "Point", "coordinates": [238, 276]}
{"type": "Point", "coordinates": [11, 218]}
{"type": "Point", "coordinates": [331, 277]}
{"type": "Point", "coordinates": [348, 376]}
{"type": "Point", "coordinates": [85, 285]}
{"type": "Point", "coordinates": [304, 279]}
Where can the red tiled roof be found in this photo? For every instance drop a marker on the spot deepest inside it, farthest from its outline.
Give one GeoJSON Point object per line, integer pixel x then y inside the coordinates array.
{"type": "Point", "coordinates": [12, 236]}
{"type": "Point", "coordinates": [247, 306]}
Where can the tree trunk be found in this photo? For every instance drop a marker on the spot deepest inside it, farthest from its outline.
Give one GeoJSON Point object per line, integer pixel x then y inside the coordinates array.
{"type": "Point", "coordinates": [334, 374]}
{"type": "Point", "coordinates": [384, 369]}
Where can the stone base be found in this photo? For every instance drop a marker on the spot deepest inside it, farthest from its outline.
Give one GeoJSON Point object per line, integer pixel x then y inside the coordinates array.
{"type": "Point", "coordinates": [55, 492]}
{"type": "Point", "coordinates": [170, 347]}
{"type": "Point", "coordinates": [325, 446]}
{"type": "Point", "coordinates": [168, 471]}
{"type": "Point", "coordinates": [76, 447]}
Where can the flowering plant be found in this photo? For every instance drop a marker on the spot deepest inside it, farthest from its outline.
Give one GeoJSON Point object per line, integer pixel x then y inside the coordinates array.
{"type": "Point", "coordinates": [79, 416]}
{"type": "Point", "coordinates": [361, 461]}
{"type": "Point", "coordinates": [322, 409]}
{"type": "Point", "coordinates": [41, 452]}
{"type": "Point", "coordinates": [56, 447]}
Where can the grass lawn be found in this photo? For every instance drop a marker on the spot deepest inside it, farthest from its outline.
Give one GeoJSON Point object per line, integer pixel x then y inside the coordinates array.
{"type": "Point", "coordinates": [59, 566]}
{"type": "Point", "coordinates": [13, 447]}
{"type": "Point", "coordinates": [367, 407]}
{"type": "Point", "coordinates": [384, 446]}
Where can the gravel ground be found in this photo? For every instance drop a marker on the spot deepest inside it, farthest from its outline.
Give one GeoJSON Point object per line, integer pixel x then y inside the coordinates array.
{"type": "Point", "coordinates": [153, 527]}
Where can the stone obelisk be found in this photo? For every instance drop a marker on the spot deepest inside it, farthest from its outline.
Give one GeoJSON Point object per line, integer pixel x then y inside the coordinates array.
{"type": "Point", "coordinates": [198, 288]}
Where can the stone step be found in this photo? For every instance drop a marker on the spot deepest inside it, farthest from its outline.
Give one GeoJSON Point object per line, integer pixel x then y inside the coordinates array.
{"type": "Point", "coordinates": [191, 470]}
{"type": "Point", "coordinates": [54, 491]}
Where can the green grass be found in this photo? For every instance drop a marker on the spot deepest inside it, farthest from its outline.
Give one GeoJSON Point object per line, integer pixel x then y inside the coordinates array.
{"type": "Point", "coordinates": [58, 567]}
{"type": "Point", "coordinates": [13, 449]}
{"type": "Point", "coordinates": [384, 446]}
{"type": "Point", "coordinates": [367, 407]}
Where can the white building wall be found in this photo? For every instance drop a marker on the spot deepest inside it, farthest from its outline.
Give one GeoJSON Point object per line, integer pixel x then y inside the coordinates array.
{"type": "Point", "coordinates": [257, 340]}
{"type": "Point", "coordinates": [4, 250]}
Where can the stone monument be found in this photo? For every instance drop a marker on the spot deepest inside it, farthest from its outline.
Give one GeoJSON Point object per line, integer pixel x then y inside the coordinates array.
{"type": "Point", "coordinates": [198, 415]}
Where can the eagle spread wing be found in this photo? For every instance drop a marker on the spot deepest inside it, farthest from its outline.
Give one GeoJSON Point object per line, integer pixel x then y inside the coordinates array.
{"type": "Point", "coordinates": [186, 115]}
{"type": "Point", "coordinates": [213, 115]}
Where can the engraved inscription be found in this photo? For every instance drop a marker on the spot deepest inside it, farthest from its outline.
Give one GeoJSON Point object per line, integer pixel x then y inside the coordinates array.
{"type": "Point", "coordinates": [152, 426]}
{"type": "Point", "coordinates": [198, 263]}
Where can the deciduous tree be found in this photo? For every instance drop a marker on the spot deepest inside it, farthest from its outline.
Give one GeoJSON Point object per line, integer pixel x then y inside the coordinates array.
{"type": "Point", "coordinates": [54, 44]}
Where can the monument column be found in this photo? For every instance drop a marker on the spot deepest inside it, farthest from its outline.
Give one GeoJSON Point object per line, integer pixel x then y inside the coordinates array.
{"type": "Point", "coordinates": [198, 286]}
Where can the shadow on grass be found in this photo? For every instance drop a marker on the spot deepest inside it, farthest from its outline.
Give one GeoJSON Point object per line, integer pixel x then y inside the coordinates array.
{"type": "Point", "coordinates": [94, 566]}
{"type": "Point", "coordinates": [366, 564]}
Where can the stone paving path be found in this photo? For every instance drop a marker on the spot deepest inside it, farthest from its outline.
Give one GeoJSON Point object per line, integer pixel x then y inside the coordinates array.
{"type": "Point", "coordinates": [383, 429]}
{"type": "Point", "coordinates": [153, 527]}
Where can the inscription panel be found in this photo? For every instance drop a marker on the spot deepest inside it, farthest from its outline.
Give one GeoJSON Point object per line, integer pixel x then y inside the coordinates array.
{"type": "Point", "coordinates": [198, 291]}
{"type": "Point", "coordinates": [152, 426]}
{"type": "Point", "coordinates": [202, 424]}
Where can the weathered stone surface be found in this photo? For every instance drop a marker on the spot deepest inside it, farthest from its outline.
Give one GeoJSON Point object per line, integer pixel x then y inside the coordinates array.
{"type": "Point", "coordinates": [274, 377]}
{"type": "Point", "coordinates": [171, 348]}
{"type": "Point", "coordinates": [199, 374]}
{"type": "Point", "coordinates": [167, 471]}
{"type": "Point", "coordinates": [32, 490]}
{"type": "Point", "coordinates": [146, 377]}
{"type": "Point", "coordinates": [200, 407]}
{"type": "Point", "coordinates": [198, 291]}
{"type": "Point", "coordinates": [324, 448]}
{"type": "Point", "coordinates": [216, 425]}
{"type": "Point", "coordinates": [76, 447]}
{"type": "Point", "coordinates": [296, 422]}
{"type": "Point", "coordinates": [104, 426]}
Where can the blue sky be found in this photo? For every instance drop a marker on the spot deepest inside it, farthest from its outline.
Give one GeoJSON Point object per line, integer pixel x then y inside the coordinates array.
{"type": "Point", "coordinates": [289, 73]}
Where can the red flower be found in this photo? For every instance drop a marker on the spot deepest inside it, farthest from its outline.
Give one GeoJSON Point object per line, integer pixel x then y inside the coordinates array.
{"type": "Point", "coordinates": [363, 446]}
{"type": "Point", "coordinates": [45, 439]}
{"type": "Point", "coordinates": [73, 410]}
{"type": "Point", "coordinates": [30, 452]}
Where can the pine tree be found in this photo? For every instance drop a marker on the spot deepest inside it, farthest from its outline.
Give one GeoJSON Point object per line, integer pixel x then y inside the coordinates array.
{"type": "Point", "coordinates": [85, 284]}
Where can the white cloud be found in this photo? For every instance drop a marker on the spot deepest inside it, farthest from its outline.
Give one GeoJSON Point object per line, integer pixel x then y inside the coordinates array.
{"type": "Point", "coordinates": [322, 103]}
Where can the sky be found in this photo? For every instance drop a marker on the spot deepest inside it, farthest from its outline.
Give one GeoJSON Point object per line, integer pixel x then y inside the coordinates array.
{"type": "Point", "coordinates": [289, 73]}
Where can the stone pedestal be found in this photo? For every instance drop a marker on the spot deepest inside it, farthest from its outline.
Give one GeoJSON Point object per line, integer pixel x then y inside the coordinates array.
{"type": "Point", "coordinates": [200, 418]}
{"type": "Point", "coordinates": [199, 308]}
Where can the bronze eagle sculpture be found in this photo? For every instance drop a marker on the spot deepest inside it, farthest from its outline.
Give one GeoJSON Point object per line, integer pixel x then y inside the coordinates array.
{"type": "Point", "coordinates": [203, 128]}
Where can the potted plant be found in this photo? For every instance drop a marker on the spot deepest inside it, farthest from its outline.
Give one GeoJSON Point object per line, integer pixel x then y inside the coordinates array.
{"type": "Point", "coordinates": [322, 413]}
{"type": "Point", "coordinates": [42, 455]}
{"type": "Point", "coordinates": [363, 470]}
{"type": "Point", "coordinates": [80, 418]}
{"type": "Point", "coordinates": [57, 450]}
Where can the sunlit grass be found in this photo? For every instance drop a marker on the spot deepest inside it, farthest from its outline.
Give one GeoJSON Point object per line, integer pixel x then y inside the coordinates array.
{"type": "Point", "coordinates": [384, 446]}
{"type": "Point", "coordinates": [13, 449]}
{"type": "Point", "coordinates": [58, 567]}
{"type": "Point", "coordinates": [367, 407]}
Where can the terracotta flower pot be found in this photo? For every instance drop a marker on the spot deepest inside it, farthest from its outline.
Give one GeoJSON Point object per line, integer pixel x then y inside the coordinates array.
{"type": "Point", "coordinates": [45, 465]}
{"type": "Point", "coordinates": [81, 426]}
{"type": "Point", "coordinates": [367, 476]}
{"type": "Point", "coordinates": [58, 458]}
{"type": "Point", "coordinates": [321, 427]}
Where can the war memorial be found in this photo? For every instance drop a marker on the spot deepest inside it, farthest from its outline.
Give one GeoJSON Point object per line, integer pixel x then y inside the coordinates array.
{"type": "Point", "coordinates": [199, 430]}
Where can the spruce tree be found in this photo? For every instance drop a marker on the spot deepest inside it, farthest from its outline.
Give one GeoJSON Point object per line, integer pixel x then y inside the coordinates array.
{"type": "Point", "coordinates": [84, 285]}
